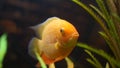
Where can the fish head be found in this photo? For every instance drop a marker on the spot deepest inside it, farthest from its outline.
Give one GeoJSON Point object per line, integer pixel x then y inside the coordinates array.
{"type": "Point", "coordinates": [68, 34]}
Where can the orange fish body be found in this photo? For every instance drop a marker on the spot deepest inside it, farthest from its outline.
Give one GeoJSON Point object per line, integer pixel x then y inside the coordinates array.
{"type": "Point", "coordinates": [55, 39]}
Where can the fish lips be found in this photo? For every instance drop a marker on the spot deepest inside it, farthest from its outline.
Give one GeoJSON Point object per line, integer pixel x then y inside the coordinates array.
{"type": "Point", "coordinates": [71, 41]}
{"type": "Point", "coordinates": [74, 36]}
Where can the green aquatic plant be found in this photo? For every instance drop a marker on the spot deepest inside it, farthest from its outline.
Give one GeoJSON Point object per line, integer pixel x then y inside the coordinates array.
{"type": "Point", "coordinates": [43, 65]}
{"type": "Point", "coordinates": [107, 16]}
{"type": "Point", "coordinates": [109, 58]}
{"type": "Point", "coordinates": [3, 48]}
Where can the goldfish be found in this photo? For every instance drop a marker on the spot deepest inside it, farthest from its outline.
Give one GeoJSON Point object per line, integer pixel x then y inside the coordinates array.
{"type": "Point", "coordinates": [55, 39]}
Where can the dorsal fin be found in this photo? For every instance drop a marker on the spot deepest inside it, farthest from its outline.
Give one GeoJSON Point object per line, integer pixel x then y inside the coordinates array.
{"type": "Point", "coordinates": [40, 27]}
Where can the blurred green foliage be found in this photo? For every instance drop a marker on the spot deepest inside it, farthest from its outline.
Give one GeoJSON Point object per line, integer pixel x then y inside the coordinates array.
{"type": "Point", "coordinates": [3, 48]}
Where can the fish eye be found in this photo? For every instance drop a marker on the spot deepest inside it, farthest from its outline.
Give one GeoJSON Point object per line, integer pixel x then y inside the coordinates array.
{"type": "Point", "coordinates": [62, 31]}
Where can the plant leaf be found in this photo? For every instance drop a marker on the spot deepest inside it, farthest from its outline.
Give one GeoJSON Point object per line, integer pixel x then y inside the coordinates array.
{"type": "Point", "coordinates": [3, 48]}
{"type": "Point", "coordinates": [92, 62]}
{"type": "Point", "coordinates": [43, 65]}
{"type": "Point", "coordinates": [91, 12]}
{"type": "Point", "coordinates": [98, 11]}
{"type": "Point", "coordinates": [101, 53]}
{"type": "Point", "coordinates": [96, 62]}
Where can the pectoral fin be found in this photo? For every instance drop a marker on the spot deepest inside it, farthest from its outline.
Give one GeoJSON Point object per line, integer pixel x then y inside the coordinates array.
{"type": "Point", "coordinates": [57, 45]}
{"type": "Point", "coordinates": [70, 64]}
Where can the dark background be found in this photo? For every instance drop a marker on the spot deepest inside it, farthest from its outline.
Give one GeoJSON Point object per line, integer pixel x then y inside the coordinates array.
{"type": "Point", "coordinates": [16, 16]}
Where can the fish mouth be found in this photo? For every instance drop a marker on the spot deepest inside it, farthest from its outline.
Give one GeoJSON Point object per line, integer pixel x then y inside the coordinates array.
{"type": "Point", "coordinates": [74, 36]}
{"type": "Point", "coordinates": [72, 40]}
